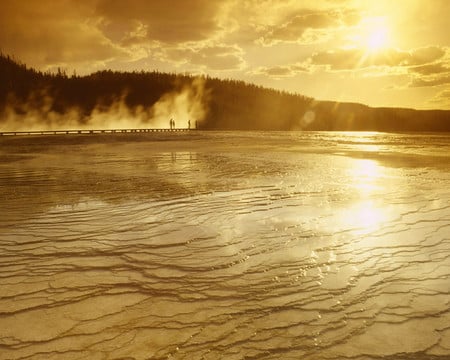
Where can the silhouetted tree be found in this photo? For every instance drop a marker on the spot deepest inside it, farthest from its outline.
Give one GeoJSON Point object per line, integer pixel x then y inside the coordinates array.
{"type": "Point", "coordinates": [231, 104]}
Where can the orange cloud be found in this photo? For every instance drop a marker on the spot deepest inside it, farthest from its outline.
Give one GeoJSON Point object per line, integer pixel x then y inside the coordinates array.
{"type": "Point", "coordinates": [355, 58]}
{"type": "Point", "coordinates": [435, 80]}
{"type": "Point", "coordinates": [307, 26]}
{"type": "Point", "coordinates": [47, 33]}
{"type": "Point", "coordinates": [281, 71]}
{"type": "Point", "coordinates": [442, 99]}
{"type": "Point", "coordinates": [430, 69]}
{"type": "Point", "coordinates": [170, 22]}
{"type": "Point", "coordinates": [213, 57]}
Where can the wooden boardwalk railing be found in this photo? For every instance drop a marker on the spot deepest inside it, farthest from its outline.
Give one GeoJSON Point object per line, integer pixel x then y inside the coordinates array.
{"type": "Point", "coordinates": [91, 131]}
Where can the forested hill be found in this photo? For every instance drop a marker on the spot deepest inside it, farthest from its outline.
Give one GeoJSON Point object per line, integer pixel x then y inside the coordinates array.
{"type": "Point", "coordinates": [225, 104]}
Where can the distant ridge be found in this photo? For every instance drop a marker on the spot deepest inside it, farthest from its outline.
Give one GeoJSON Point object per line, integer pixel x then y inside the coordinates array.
{"type": "Point", "coordinates": [229, 104]}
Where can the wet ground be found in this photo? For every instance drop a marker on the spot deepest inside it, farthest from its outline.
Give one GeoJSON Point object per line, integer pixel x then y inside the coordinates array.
{"type": "Point", "coordinates": [226, 245]}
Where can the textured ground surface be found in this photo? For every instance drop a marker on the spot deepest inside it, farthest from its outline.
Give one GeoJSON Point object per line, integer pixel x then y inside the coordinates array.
{"type": "Point", "coordinates": [225, 245]}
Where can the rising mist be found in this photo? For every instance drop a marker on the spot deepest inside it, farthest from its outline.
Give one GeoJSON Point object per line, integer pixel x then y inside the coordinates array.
{"type": "Point", "coordinates": [32, 100]}
{"type": "Point", "coordinates": [42, 108]}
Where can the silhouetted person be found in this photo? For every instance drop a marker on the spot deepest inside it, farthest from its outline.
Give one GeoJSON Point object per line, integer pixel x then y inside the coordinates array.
{"type": "Point", "coordinates": [171, 124]}
{"type": "Point", "coordinates": [189, 124]}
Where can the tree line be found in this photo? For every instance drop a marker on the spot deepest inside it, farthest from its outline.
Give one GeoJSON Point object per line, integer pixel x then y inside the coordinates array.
{"type": "Point", "coordinates": [231, 104]}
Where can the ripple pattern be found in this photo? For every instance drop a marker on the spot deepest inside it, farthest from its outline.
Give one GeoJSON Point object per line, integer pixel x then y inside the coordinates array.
{"type": "Point", "coordinates": [195, 252]}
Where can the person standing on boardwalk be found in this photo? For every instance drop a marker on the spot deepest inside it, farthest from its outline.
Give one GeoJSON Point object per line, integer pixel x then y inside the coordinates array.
{"type": "Point", "coordinates": [170, 122]}
{"type": "Point", "coordinates": [189, 124]}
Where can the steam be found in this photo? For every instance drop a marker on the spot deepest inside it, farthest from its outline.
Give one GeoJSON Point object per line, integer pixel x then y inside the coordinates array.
{"type": "Point", "coordinates": [188, 103]}
{"type": "Point", "coordinates": [307, 119]}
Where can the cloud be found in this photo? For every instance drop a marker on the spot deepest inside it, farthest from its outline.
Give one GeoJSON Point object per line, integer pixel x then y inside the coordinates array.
{"type": "Point", "coordinates": [431, 69]}
{"type": "Point", "coordinates": [436, 73]}
{"type": "Point", "coordinates": [169, 22]}
{"type": "Point", "coordinates": [426, 66]}
{"type": "Point", "coordinates": [445, 94]}
{"type": "Point", "coordinates": [307, 26]}
{"type": "Point", "coordinates": [207, 56]}
{"type": "Point", "coordinates": [343, 59]}
{"type": "Point", "coordinates": [354, 58]}
{"type": "Point", "coordinates": [86, 33]}
{"type": "Point", "coordinates": [281, 71]}
{"type": "Point", "coordinates": [44, 38]}
{"type": "Point", "coordinates": [442, 99]}
{"type": "Point", "coordinates": [426, 55]}
{"type": "Point", "coordinates": [436, 80]}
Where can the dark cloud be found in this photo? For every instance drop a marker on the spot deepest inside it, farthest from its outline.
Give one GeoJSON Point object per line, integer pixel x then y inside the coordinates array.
{"type": "Point", "coordinates": [424, 55]}
{"type": "Point", "coordinates": [430, 69]}
{"type": "Point", "coordinates": [215, 57]}
{"type": "Point", "coordinates": [169, 21]}
{"type": "Point", "coordinates": [433, 74]}
{"type": "Point", "coordinates": [51, 32]}
{"type": "Point", "coordinates": [296, 27]}
{"type": "Point", "coordinates": [281, 71]}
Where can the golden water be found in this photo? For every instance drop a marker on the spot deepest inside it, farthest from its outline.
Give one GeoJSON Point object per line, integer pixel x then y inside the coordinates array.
{"type": "Point", "coordinates": [225, 246]}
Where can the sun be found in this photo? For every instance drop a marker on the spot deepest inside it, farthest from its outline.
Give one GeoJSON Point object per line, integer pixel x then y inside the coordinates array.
{"type": "Point", "coordinates": [372, 34]}
{"type": "Point", "coordinates": [377, 39]}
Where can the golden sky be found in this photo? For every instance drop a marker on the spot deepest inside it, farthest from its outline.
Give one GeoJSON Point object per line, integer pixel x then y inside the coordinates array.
{"type": "Point", "coordinates": [377, 52]}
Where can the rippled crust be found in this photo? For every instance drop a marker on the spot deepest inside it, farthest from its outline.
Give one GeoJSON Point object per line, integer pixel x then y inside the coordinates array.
{"type": "Point", "coordinates": [225, 245]}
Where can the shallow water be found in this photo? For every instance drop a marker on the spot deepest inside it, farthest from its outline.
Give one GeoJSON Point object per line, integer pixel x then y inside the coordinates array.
{"type": "Point", "coordinates": [231, 245]}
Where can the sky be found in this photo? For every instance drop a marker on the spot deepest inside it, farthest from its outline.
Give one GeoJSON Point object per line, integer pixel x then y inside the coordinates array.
{"type": "Point", "coordinates": [375, 52]}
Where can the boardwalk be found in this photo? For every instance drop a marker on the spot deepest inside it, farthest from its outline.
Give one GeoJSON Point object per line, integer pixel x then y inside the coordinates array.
{"type": "Point", "coordinates": [91, 131]}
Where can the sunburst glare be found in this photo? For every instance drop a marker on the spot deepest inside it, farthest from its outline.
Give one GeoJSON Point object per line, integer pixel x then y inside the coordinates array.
{"type": "Point", "coordinates": [366, 176]}
{"type": "Point", "coordinates": [365, 214]}
{"type": "Point", "coordinates": [373, 34]}
{"type": "Point", "coordinates": [364, 217]}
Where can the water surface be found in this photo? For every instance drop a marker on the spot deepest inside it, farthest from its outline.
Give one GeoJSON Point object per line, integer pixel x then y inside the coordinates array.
{"type": "Point", "coordinates": [225, 245]}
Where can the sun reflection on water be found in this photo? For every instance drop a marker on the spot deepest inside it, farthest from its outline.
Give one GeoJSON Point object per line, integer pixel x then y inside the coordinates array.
{"type": "Point", "coordinates": [366, 213]}
{"type": "Point", "coordinates": [363, 142]}
{"type": "Point", "coordinates": [366, 175]}
{"type": "Point", "coordinates": [364, 216]}
{"type": "Point", "coordinates": [372, 148]}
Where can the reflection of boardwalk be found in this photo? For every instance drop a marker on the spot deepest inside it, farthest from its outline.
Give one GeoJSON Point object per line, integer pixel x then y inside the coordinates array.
{"type": "Point", "coordinates": [101, 131]}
